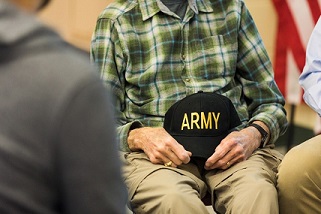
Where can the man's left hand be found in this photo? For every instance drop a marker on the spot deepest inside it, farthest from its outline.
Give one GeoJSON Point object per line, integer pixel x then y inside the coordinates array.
{"type": "Point", "coordinates": [236, 147]}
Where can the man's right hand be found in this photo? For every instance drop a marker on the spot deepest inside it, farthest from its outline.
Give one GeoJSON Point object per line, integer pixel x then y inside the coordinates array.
{"type": "Point", "coordinates": [158, 145]}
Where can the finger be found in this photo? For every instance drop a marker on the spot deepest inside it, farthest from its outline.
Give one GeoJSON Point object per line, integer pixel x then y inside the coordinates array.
{"type": "Point", "coordinates": [226, 161]}
{"type": "Point", "coordinates": [166, 156]}
{"type": "Point", "coordinates": [173, 157]}
{"type": "Point", "coordinates": [214, 160]}
{"type": "Point", "coordinates": [230, 163]}
{"type": "Point", "coordinates": [169, 163]}
{"type": "Point", "coordinates": [179, 154]}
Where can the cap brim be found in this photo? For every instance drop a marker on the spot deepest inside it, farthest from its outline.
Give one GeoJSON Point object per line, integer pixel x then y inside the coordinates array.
{"type": "Point", "coordinates": [203, 147]}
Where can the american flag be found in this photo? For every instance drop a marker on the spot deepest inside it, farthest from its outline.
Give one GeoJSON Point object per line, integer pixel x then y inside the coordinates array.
{"type": "Point", "coordinates": [296, 20]}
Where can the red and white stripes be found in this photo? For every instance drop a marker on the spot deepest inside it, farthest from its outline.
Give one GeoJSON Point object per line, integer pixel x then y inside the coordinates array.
{"type": "Point", "coordinates": [296, 20]}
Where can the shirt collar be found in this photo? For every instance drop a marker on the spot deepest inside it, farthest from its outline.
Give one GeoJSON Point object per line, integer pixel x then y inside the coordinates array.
{"type": "Point", "coordinates": [150, 8]}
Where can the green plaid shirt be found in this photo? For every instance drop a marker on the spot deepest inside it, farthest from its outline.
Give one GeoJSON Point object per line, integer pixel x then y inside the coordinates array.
{"type": "Point", "coordinates": [150, 59]}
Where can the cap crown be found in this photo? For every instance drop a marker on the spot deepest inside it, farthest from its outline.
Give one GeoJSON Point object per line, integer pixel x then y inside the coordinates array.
{"type": "Point", "coordinates": [200, 114]}
{"type": "Point", "coordinates": [200, 121]}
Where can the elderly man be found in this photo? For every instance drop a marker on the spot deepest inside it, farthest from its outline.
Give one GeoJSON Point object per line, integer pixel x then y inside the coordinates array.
{"type": "Point", "coordinates": [158, 53]}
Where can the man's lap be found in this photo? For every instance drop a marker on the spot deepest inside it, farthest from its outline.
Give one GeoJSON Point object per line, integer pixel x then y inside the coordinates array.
{"type": "Point", "coordinates": [263, 163]}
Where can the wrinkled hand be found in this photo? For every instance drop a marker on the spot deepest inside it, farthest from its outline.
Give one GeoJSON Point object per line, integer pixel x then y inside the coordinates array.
{"type": "Point", "coordinates": [236, 147]}
{"type": "Point", "coordinates": [158, 145]}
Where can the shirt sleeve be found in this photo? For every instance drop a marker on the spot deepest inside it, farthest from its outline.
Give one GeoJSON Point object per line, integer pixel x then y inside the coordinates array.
{"type": "Point", "coordinates": [107, 53]}
{"type": "Point", "coordinates": [255, 72]}
{"type": "Point", "coordinates": [310, 79]}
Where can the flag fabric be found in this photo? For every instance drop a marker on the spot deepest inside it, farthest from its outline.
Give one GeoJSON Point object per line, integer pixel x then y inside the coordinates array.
{"type": "Point", "coordinates": [296, 20]}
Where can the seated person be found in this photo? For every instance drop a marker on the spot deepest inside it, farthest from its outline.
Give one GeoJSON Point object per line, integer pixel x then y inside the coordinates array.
{"type": "Point", "coordinates": [153, 54]}
{"type": "Point", "coordinates": [57, 142]}
{"type": "Point", "coordinates": [299, 178]}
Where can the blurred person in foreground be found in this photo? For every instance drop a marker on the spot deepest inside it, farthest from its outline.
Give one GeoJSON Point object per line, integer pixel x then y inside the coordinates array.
{"type": "Point", "coordinates": [299, 178]}
{"type": "Point", "coordinates": [157, 53]}
{"type": "Point", "coordinates": [57, 140]}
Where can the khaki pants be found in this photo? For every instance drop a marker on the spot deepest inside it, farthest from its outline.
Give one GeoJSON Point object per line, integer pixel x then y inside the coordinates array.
{"type": "Point", "coordinates": [299, 179]}
{"type": "Point", "coordinates": [247, 187]}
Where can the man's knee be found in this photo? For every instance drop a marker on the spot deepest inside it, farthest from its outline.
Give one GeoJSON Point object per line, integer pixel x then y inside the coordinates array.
{"type": "Point", "coordinates": [297, 166]}
{"type": "Point", "coordinates": [175, 202]}
{"type": "Point", "coordinates": [298, 172]}
{"type": "Point", "coordinates": [178, 198]}
{"type": "Point", "coordinates": [299, 178]}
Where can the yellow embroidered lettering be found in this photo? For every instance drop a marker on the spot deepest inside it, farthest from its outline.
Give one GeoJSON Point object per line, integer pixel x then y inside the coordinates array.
{"type": "Point", "coordinates": [200, 121]}
{"type": "Point", "coordinates": [216, 117]}
{"type": "Point", "coordinates": [185, 122]}
{"type": "Point", "coordinates": [194, 120]}
{"type": "Point", "coordinates": [206, 124]}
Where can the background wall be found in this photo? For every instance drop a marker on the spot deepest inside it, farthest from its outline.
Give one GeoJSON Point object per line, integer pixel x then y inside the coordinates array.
{"type": "Point", "coordinates": [75, 21]}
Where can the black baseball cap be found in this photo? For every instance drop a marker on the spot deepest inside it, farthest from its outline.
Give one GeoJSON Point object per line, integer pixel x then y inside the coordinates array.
{"type": "Point", "coordinates": [200, 121]}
